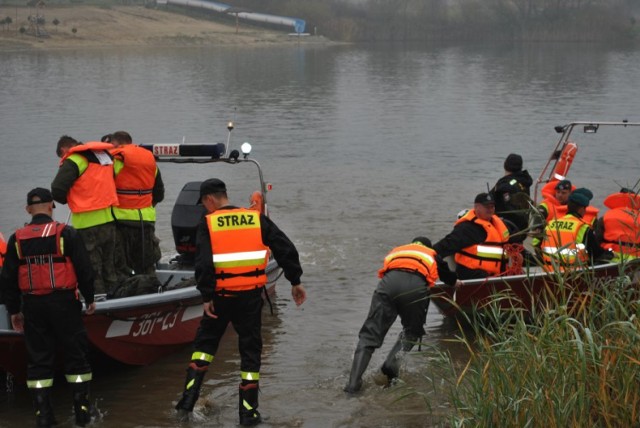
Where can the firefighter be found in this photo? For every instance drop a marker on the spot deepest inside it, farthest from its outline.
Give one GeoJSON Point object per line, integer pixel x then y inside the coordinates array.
{"type": "Point", "coordinates": [46, 265]}
{"type": "Point", "coordinates": [232, 247]}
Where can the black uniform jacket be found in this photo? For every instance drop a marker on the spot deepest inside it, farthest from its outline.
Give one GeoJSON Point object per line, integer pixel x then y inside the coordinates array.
{"type": "Point", "coordinates": [73, 247]}
{"type": "Point", "coordinates": [282, 248]}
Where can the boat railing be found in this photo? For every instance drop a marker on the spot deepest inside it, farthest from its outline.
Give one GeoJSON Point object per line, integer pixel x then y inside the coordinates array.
{"type": "Point", "coordinates": [566, 131]}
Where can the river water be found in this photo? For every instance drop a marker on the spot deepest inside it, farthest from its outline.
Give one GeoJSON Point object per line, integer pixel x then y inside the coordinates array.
{"type": "Point", "coordinates": [366, 147]}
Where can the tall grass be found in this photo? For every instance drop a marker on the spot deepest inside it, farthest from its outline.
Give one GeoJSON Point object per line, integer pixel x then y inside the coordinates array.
{"type": "Point", "coordinates": [574, 362]}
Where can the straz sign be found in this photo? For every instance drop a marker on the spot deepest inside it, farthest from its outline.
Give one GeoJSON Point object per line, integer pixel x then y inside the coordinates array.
{"type": "Point", "coordinates": [166, 150]}
{"type": "Point", "coordinates": [153, 323]}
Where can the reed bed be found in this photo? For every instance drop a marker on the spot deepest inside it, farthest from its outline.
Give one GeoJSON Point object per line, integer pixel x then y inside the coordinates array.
{"type": "Point", "coordinates": [574, 362]}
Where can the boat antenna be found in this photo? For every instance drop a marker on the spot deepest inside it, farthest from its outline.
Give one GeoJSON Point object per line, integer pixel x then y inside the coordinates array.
{"type": "Point", "coordinates": [230, 127]}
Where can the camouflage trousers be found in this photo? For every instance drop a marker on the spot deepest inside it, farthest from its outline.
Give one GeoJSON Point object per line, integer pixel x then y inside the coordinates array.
{"type": "Point", "coordinates": [137, 249]}
{"type": "Point", "coordinates": [100, 242]}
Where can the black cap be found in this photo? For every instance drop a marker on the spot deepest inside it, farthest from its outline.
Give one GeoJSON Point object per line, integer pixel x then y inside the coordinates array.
{"type": "Point", "coordinates": [563, 185]}
{"type": "Point", "coordinates": [581, 197]}
{"type": "Point", "coordinates": [39, 195]}
{"type": "Point", "coordinates": [212, 185]}
{"type": "Point", "coordinates": [422, 240]}
{"type": "Point", "coordinates": [484, 199]}
{"type": "Point", "coordinates": [513, 163]}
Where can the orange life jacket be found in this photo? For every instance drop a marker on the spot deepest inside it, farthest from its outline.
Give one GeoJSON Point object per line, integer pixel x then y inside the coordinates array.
{"type": "Point", "coordinates": [489, 255]}
{"type": "Point", "coordinates": [3, 249]}
{"type": "Point", "coordinates": [95, 188]}
{"type": "Point", "coordinates": [43, 264]}
{"type": "Point", "coordinates": [415, 258]}
{"type": "Point", "coordinates": [622, 231]}
{"type": "Point", "coordinates": [239, 255]}
{"type": "Point", "coordinates": [135, 181]}
{"type": "Point", "coordinates": [555, 210]}
{"type": "Point", "coordinates": [563, 242]}
{"type": "Point", "coordinates": [256, 202]}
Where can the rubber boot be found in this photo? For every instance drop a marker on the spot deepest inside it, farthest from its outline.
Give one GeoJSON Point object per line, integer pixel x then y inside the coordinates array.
{"type": "Point", "coordinates": [248, 404]}
{"type": "Point", "coordinates": [81, 403]}
{"type": "Point", "coordinates": [361, 359]}
{"type": "Point", "coordinates": [391, 366]}
{"type": "Point", "coordinates": [192, 385]}
{"type": "Point", "coordinates": [43, 408]}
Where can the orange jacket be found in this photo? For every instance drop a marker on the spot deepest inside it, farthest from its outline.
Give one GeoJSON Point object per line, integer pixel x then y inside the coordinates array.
{"type": "Point", "coordinates": [134, 182]}
{"type": "Point", "coordinates": [563, 242]}
{"type": "Point", "coordinates": [415, 258]}
{"type": "Point", "coordinates": [488, 255]}
{"type": "Point", "coordinates": [555, 210]}
{"type": "Point", "coordinates": [622, 231]}
{"type": "Point", "coordinates": [95, 187]}
{"type": "Point", "coordinates": [43, 265]}
{"type": "Point", "coordinates": [239, 255]}
{"type": "Point", "coordinates": [3, 249]}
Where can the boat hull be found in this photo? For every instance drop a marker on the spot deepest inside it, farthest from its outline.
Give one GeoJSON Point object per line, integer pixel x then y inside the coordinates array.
{"type": "Point", "coordinates": [136, 330]}
{"type": "Point", "coordinates": [527, 292]}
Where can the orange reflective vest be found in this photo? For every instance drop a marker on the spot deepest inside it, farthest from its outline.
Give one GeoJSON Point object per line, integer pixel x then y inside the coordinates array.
{"type": "Point", "coordinates": [95, 187]}
{"type": "Point", "coordinates": [3, 249]}
{"type": "Point", "coordinates": [134, 182]}
{"type": "Point", "coordinates": [43, 265]}
{"type": "Point", "coordinates": [563, 243]}
{"type": "Point", "coordinates": [489, 255]}
{"type": "Point", "coordinates": [555, 210]}
{"type": "Point", "coordinates": [239, 255]}
{"type": "Point", "coordinates": [414, 258]}
{"type": "Point", "coordinates": [622, 232]}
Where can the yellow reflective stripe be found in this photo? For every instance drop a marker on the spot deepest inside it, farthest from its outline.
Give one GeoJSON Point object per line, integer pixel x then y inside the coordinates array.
{"type": "Point", "coordinates": [148, 213]}
{"type": "Point", "coordinates": [250, 375]}
{"type": "Point", "coordinates": [78, 378]}
{"type": "Point", "coordinates": [201, 356]}
{"type": "Point", "coordinates": [117, 165]}
{"type": "Point", "coordinates": [40, 383]}
{"type": "Point", "coordinates": [247, 258]}
{"type": "Point", "coordinates": [91, 218]}
{"type": "Point", "coordinates": [490, 252]}
{"type": "Point", "coordinates": [246, 405]}
{"type": "Point", "coordinates": [411, 253]}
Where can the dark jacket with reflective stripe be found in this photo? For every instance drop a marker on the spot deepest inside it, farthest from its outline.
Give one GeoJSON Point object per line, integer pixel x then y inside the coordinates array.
{"type": "Point", "coordinates": [280, 245]}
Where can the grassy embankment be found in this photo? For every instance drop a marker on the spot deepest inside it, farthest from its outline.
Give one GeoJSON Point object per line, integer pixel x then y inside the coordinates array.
{"type": "Point", "coordinates": [575, 362]}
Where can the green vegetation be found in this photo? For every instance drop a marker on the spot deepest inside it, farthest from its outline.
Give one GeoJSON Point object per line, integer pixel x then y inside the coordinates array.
{"type": "Point", "coordinates": [573, 363]}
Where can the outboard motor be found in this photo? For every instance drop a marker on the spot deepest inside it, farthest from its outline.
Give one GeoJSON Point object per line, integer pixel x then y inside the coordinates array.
{"type": "Point", "coordinates": [187, 213]}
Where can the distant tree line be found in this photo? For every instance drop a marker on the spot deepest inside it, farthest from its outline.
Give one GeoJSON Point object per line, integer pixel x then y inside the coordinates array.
{"type": "Point", "coordinates": [424, 20]}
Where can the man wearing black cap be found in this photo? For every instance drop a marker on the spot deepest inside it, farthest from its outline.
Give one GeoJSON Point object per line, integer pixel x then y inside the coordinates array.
{"type": "Point", "coordinates": [512, 194]}
{"type": "Point", "coordinates": [232, 247]}
{"type": "Point", "coordinates": [477, 240]}
{"type": "Point", "coordinates": [406, 276]}
{"type": "Point", "coordinates": [46, 265]}
{"type": "Point", "coordinates": [569, 240]}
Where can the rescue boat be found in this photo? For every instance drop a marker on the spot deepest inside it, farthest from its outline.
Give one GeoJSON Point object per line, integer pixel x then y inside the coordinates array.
{"type": "Point", "coordinates": [527, 286]}
{"type": "Point", "coordinates": [141, 329]}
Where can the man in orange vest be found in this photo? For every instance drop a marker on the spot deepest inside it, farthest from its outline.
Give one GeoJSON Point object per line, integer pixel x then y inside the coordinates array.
{"type": "Point", "coordinates": [618, 231]}
{"type": "Point", "coordinates": [569, 241]}
{"type": "Point", "coordinates": [477, 241]}
{"type": "Point", "coordinates": [85, 182]}
{"type": "Point", "coordinates": [232, 251]}
{"type": "Point", "coordinates": [46, 266]}
{"type": "Point", "coordinates": [139, 186]}
{"type": "Point", "coordinates": [409, 271]}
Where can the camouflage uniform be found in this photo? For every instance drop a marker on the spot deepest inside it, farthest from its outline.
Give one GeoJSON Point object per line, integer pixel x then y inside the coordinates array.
{"type": "Point", "coordinates": [137, 249]}
{"type": "Point", "coordinates": [100, 243]}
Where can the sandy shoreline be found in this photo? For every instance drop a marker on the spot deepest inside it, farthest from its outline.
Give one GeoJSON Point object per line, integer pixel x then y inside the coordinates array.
{"type": "Point", "coordinates": [121, 26]}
